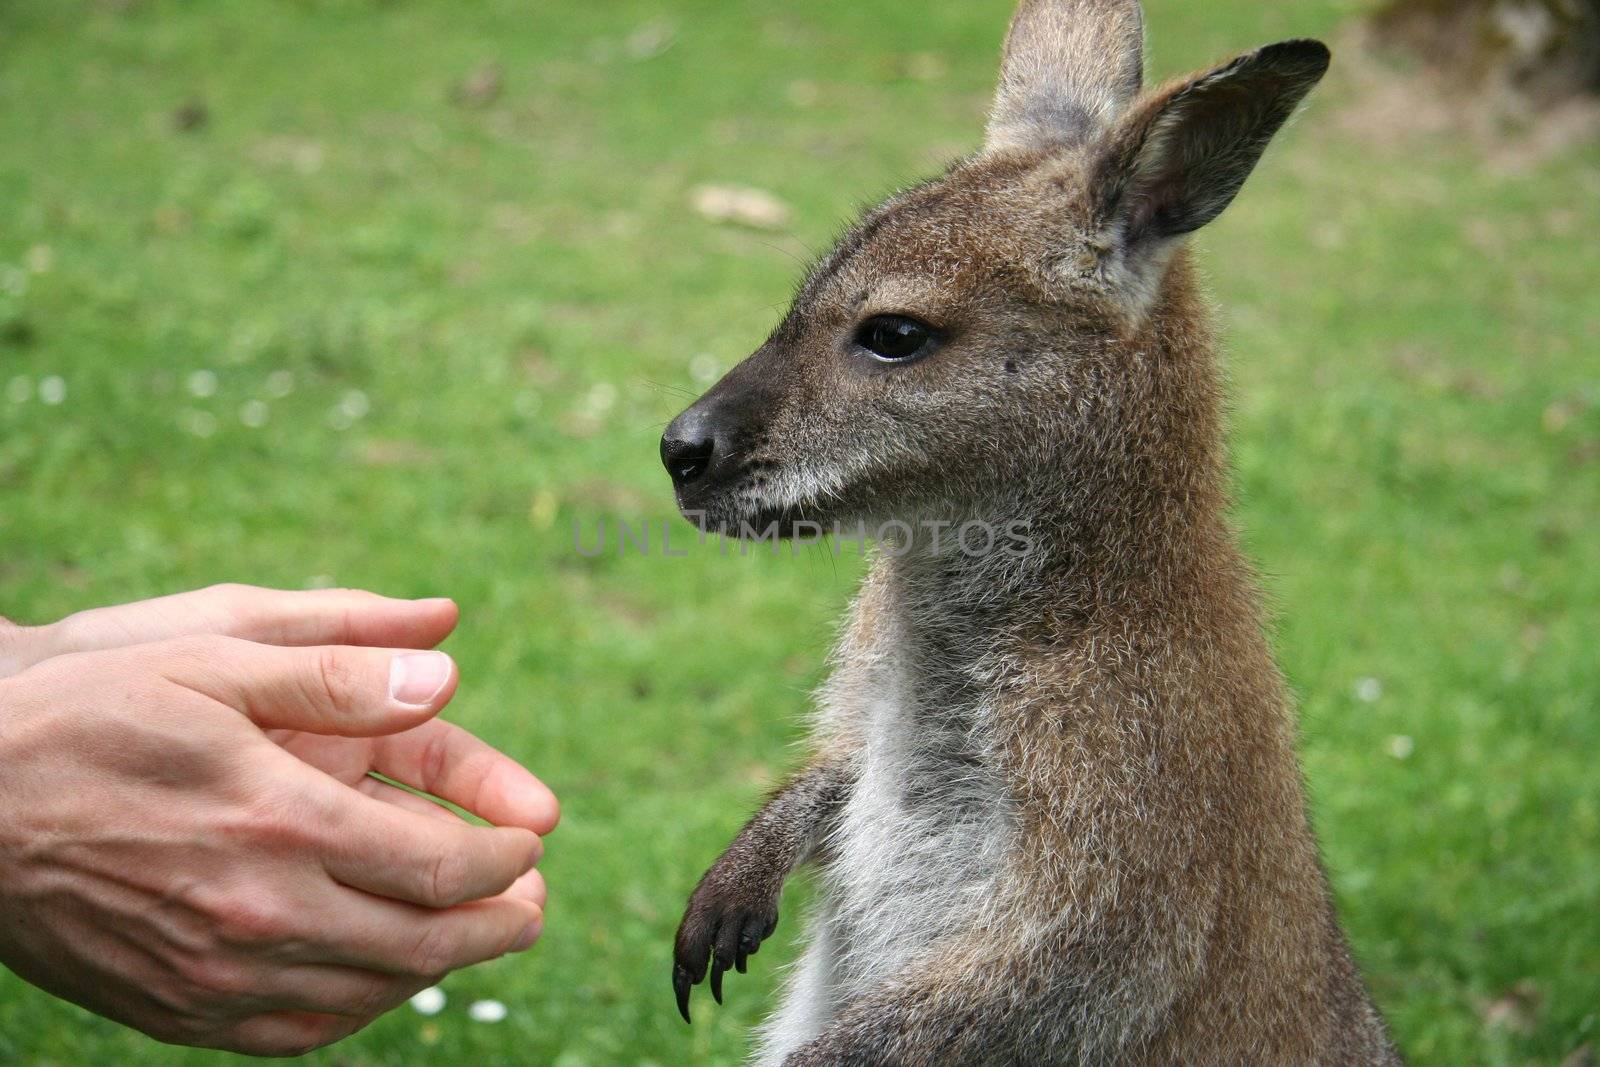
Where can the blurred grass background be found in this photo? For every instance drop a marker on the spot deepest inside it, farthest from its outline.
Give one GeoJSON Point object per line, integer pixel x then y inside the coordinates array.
{"type": "Point", "coordinates": [392, 294]}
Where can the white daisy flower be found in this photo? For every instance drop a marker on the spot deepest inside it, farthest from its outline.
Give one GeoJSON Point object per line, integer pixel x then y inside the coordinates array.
{"type": "Point", "coordinates": [354, 404]}
{"type": "Point", "coordinates": [486, 1011]}
{"type": "Point", "coordinates": [429, 1001]}
{"type": "Point", "coordinates": [202, 383]}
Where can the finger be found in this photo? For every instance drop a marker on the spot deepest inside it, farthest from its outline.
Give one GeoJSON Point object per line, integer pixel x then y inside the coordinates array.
{"type": "Point", "coordinates": [339, 690]}
{"type": "Point", "coordinates": [333, 989]}
{"type": "Point", "coordinates": [754, 931]}
{"type": "Point", "coordinates": [271, 616]}
{"type": "Point", "coordinates": [421, 943]}
{"type": "Point", "coordinates": [348, 991]}
{"type": "Point", "coordinates": [339, 617]}
{"type": "Point", "coordinates": [530, 886]}
{"type": "Point", "coordinates": [381, 849]}
{"type": "Point", "coordinates": [690, 954]}
{"type": "Point", "coordinates": [443, 759]}
{"type": "Point", "coordinates": [288, 1033]}
{"type": "Point", "coordinates": [406, 800]}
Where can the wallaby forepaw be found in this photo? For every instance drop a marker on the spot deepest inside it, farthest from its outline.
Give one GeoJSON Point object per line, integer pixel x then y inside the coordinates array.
{"type": "Point", "coordinates": [722, 928]}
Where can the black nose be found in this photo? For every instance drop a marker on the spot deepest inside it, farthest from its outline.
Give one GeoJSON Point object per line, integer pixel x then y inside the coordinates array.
{"type": "Point", "coordinates": [686, 449]}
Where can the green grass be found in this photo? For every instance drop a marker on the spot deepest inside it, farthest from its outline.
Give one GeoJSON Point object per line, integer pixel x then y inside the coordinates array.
{"type": "Point", "coordinates": [516, 293]}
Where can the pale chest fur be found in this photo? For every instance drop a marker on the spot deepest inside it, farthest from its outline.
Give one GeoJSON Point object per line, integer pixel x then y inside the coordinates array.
{"type": "Point", "coordinates": [924, 836]}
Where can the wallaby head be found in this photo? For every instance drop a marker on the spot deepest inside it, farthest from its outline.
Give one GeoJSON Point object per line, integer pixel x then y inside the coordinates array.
{"type": "Point", "coordinates": [993, 327]}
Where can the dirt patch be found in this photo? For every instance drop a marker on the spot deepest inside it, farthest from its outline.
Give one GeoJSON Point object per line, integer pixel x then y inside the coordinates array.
{"type": "Point", "coordinates": [1542, 51]}
{"type": "Point", "coordinates": [1393, 100]}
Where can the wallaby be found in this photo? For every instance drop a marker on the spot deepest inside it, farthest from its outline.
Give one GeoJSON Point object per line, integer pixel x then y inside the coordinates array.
{"type": "Point", "coordinates": [1054, 798]}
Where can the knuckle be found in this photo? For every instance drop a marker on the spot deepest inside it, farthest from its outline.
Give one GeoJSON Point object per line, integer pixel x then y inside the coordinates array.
{"type": "Point", "coordinates": [71, 631]}
{"type": "Point", "coordinates": [199, 650]}
{"type": "Point", "coordinates": [249, 920]}
{"type": "Point", "coordinates": [448, 876]}
{"type": "Point", "coordinates": [374, 999]}
{"type": "Point", "coordinates": [431, 954]}
{"type": "Point", "coordinates": [264, 820]}
{"type": "Point", "coordinates": [229, 596]}
{"type": "Point", "coordinates": [228, 591]}
{"type": "Point", "coordinates": [434, 758]}
{"type": "Point", "coordinates": [351, 606]}
{"type": "Point", "coordinates": [334, 680]}
{"type": "Point", "coordinates": [12, 640]}
{"type": "Point", "coordinates": [214, 979]}
{"type": "Point", "coordinates": [237, 603]}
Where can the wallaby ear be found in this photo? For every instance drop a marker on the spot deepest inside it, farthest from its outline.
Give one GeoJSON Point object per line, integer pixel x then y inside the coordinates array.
{"type": "Point", "coordinates": [1175, 161]}
{"type": "Point", "coordinates": [1070, 67]}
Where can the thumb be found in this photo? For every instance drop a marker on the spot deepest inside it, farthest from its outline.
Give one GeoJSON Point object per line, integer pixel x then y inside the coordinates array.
{"type": "Point", "coordinates": [342, 690]}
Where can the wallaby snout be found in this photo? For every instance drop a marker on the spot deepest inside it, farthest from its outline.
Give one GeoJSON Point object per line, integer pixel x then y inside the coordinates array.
{"type": "Point", "coordinates": [711, 449]}
{"type": "Point", "coordinates": [689, 446]}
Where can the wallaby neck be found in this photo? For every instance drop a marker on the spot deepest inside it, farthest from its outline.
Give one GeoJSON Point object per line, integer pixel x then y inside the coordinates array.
{"type": "Point", "coordinates": [1076, 574]}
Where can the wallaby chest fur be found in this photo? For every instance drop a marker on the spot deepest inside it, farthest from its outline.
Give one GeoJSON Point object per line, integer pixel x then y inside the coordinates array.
{"type": "Point", "coordinates": [1053, 803]}
{"type": "Point", "coordinates": [924, 838]}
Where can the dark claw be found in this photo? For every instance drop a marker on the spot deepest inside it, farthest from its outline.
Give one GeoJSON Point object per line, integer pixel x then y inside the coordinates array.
{"type": "Point", "coordinates": [681, 986]}
{"type": "Point", "coordinates": [721, 929]}
{"type": "Point", "coordinates": [749, 945]}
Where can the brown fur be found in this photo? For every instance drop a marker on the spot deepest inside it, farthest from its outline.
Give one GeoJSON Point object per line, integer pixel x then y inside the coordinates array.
{"type": "Point", "coordinates": [1081, 759]}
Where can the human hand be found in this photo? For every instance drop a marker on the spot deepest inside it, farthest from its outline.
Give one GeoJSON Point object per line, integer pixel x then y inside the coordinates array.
{"type": "Point", "coordinates": [163, 862]}
{"type": "Point", "coordinates": [437, 758]}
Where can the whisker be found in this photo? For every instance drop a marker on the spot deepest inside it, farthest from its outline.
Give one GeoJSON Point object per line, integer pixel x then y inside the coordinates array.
{"type": "Point", "coordinates": [664, 387]}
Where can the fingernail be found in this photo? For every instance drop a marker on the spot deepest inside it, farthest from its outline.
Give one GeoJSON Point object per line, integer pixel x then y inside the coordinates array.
{"type": "Point", "coordinates": [415, 678]}
{"type": "Point", "coordinates": [529, 936]}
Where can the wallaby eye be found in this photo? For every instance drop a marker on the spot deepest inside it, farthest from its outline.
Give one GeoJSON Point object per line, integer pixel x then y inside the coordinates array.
{"type": "Point", "coordinates": [894, 338]}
